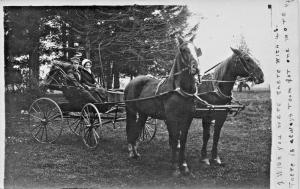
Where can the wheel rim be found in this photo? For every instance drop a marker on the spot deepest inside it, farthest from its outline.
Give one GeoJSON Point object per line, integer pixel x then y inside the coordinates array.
{"type": "Point", "coordinates": [149, 130]}
{"type": "Point", "coordinates": [91, 125]}
{"type": "Point", "coordinates": [45, 120]}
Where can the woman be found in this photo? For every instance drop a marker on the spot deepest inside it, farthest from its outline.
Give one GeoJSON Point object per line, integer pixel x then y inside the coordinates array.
{"type": "Point", "coordinates": [89, 81]}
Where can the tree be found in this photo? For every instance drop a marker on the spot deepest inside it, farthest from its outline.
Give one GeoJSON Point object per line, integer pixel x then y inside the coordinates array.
{"type": "Point", "coordinates": [128, 39]}
{"type": "Point", "coordinates": [24, 27]}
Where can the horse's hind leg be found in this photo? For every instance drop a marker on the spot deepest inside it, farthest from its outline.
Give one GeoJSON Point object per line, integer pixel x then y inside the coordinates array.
{"type": "Point", "coordinates": [133, 130]}
{"type": "Point", "coordinates": [139, 127]}
{"type": "Point", "coordinates": [130, 130]}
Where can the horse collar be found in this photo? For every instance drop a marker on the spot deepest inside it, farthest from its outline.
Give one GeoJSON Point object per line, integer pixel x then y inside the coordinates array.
{"type": "Point", "coordinates": [186, 94]}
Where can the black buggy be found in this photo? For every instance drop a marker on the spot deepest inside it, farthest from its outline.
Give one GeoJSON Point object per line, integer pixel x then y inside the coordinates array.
{"type": "Point", "coordinates": [69, 106]}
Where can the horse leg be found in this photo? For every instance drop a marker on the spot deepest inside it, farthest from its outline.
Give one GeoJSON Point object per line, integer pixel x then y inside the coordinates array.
{"type": "Point", "coordinates": [139, 126]}
{"type": "Point", "coordinates": [173, 142]}
{"type": "Point", "coordinates": [217, 131]}
{"type": "Point", "coordinates": [206, 122]}
{"type": "Point", "coordinates": [131, 132]}
{"type": "Point", "coordinates": [183, 137]}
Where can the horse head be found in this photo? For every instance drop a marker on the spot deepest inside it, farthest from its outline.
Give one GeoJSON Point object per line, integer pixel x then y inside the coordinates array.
{"type": "Point", "coordinates": [189, 54]}
{"type": "Point", "coordinates": [247, 66]}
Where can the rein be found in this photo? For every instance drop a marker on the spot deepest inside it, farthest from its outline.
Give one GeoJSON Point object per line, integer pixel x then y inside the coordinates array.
{"type": "Point", "coordinates": [224, 81]}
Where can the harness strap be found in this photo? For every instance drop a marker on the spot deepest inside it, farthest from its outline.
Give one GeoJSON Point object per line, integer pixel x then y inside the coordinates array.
{"type": "Point", "coordinates": [220, 93]}
{"type": "Point", "coordinates": [203, 101]}
{"type": "Point", "coordinates": [159, 84]}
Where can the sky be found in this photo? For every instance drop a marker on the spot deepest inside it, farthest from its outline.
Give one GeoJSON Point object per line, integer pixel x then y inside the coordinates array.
{"type": "Point", "coordinates": [223, 22]}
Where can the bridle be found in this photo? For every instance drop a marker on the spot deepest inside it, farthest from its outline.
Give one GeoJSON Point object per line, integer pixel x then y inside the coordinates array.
{"type": "Point", "coordinates": [244, 67]}
{"type": "Point", "coordinates": [188, 67]}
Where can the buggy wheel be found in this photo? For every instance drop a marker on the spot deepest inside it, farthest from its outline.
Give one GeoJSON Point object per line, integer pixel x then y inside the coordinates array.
{"type": "Point", "coordinates": [91, 124]}
{"type": "Point", "coordinates": [45, 120]}
{"type": "Point", "coordinates": [149, 130]}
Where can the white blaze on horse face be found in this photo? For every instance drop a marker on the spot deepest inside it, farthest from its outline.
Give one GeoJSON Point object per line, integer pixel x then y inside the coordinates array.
{"type": "Point", "coordinates": [192, 49]}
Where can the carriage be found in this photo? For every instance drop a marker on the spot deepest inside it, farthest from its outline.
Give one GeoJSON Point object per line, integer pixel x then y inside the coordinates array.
{"type": "Point", "coordinates": [50, 114]}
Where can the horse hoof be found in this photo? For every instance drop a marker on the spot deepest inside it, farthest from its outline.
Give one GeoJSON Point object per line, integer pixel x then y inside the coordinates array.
{"type": "Point", "coordinates": [205, 161]}
{"type": "Point", "coordinates": [134, 156]}
{"type": "Point", "coordinates": [217, 161]}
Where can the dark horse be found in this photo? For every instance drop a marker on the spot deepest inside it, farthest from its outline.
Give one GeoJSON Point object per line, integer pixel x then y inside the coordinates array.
{"type": "Point", "coordinates": [239, 64]}
{"type": "Point", "coordinates": [170, 99]}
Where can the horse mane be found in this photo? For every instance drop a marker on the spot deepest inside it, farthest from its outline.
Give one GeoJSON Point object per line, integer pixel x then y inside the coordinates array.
{"type": "Point", "coordinates": [222, 68]}
{"type": "Point", "coordinates": [175, 68]}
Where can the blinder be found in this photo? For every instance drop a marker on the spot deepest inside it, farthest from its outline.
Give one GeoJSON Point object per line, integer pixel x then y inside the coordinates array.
{"type": "Point", "coordinates": [245, 68]}
{"type": "Point", "coordinates": [187, 61]}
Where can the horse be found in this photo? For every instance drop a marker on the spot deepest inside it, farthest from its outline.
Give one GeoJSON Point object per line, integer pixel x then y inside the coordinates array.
{"type": "Point", "coordinates": [239, 64]}
{"type": "Point", "coordinates": [170, 99]}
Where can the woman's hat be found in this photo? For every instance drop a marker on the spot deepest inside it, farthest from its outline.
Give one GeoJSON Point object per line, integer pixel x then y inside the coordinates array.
{"type": "Point", "coordinates": [85, 61]}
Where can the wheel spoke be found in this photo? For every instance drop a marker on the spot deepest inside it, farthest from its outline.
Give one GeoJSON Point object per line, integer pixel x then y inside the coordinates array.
{"type": "Point", "coordinates": [54, 113]}
{"type": "Point", "coordinates": [41, 129]}
{"type": "Point", "coordinates": [87, 117]}
{"type": "Point", "coordinates": [95, 135]}
{"type": "Point", "coordinates": [35, 110]}
{"type": "Point", "coordinates": [36, 117]}
{"type": "Point", "coordinates": [46, 133]}
{"type": "Point", "coordinates": [39, 126]}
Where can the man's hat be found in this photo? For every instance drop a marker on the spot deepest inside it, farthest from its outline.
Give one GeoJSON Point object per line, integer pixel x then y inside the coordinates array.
{"type": "Point", "coordinates": [75, 59]}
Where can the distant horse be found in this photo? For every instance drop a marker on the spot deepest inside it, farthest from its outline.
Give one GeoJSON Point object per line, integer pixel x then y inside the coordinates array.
{"type": "Point", "coordinates": [173, 102]}
{"type": "Point", "coordinates": [239, 64]}
{"type": "Point", "coordinates": [242, 85]}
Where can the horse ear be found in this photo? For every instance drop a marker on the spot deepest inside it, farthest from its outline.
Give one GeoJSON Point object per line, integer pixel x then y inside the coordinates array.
{"type": "Point", "coordinates": [180, 40]}
{"type": "Point", "coordinates": [236, 51]}
{"type": "Point", "coordinates": [199, 52]}
{"type": "Point", "coordinates": [192, 39]}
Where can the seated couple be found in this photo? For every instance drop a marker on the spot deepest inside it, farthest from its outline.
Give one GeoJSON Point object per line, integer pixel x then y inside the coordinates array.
{"type": "Point", "coordinates": [87, 89]}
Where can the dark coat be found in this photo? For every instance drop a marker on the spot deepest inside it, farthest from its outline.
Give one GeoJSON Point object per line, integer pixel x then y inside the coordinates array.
{"type": "Point", "coordinates": [88, 78]}
{"type": "Point", "coordinates": [74, 77]}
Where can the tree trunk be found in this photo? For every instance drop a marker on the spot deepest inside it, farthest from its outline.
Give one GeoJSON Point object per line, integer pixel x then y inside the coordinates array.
{"type": "Point", "coordinates": [109, 76]}
{"type": "Point", "coordinates": [64, 42]}
{"type": "Point", "coordinates": [87, 48]}
{"type": "Point", "coordinates": [34, 63]}
{"type": "Point", "coordinates": [116, 75]}
{"type": "Point", "coordinates": [71, 51]}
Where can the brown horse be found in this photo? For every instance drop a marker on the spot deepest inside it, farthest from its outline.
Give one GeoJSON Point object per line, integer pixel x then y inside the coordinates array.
{"type": "Point", "coordinates": [170, 99]}
{"type": "Point", "coordinates": [239, 64]}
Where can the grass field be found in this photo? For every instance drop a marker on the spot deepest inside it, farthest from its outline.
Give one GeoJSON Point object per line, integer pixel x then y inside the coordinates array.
{"type": "Point", "coordinates": [244, 146]}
